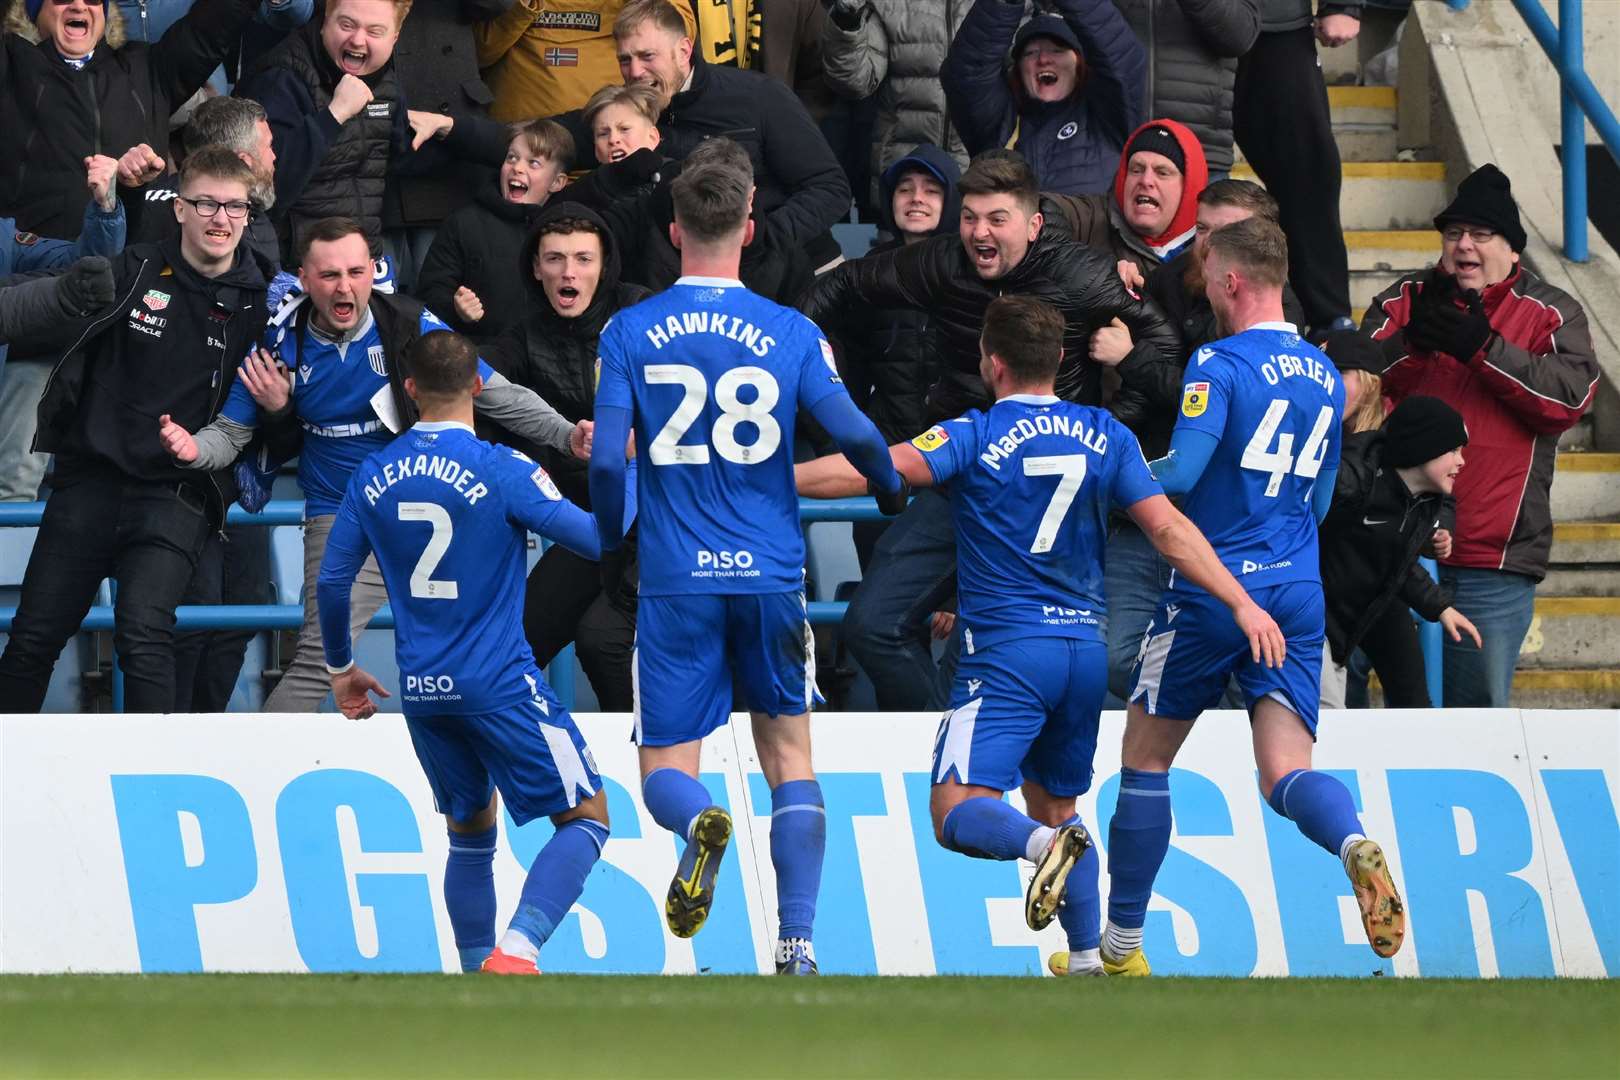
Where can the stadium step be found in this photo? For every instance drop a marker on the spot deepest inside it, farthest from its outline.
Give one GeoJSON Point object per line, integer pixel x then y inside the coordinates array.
{"type": "Point", "coordinates": [1566, 688]}
{"type": "Point", "coordinates": [1379, 256]}
{"type": "Point", "coordinates": [1572, 632]}
{"type": "Point", "coordinates": [1364, 122]}
{"type": "Point", "coordinates": [1586, 486]}
{"type": "Point", "coordinates": [1386, 195]}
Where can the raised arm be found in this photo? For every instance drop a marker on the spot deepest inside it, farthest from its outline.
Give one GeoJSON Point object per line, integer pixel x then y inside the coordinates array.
{"type": "Point", "coordinates": [1116, 63]}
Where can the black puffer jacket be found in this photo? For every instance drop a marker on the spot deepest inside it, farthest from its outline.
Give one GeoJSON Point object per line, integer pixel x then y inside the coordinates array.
{"type": "Point", "coordinates": [53, 116]}
{"type": "Point", "coordinates": [1370, 542]}
{"type": "Point", "coordinates": [1192, 48]}
{"type": "Point", "coordinates": [556, 356]}
{"type": "Point", "coordinates": [324, 169]}
{"type": "Point", "coordinates": [477, 247]}
{"type": "Point", "coordinates": [1072, 145]}
{"type": "Point", "coordinates": [935, 275]}
{"type": "Point", "coordinates": [889, 357]}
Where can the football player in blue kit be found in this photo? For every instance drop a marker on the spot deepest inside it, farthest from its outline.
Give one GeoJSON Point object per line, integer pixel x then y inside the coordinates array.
{"type": "Point", "coordinates": [713, 376]}
{"type": "Point", "coordinates": [1255, 451]}
{"type": "Point", "coordinates": [448, 517]}
{"type": "Point", "coordinates": [1031, 482]}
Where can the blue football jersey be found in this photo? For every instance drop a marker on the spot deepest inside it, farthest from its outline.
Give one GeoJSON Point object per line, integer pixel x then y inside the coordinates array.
{"type": "Point", "coordinates": [714, 376]}
{"type": "Point", "coordinates": [332, 391]}
{"type": "Point", "coordinates": [447, 516]}
{"type": "Point", "coordinates": [1031, 483]}
{"type": "Point", "coordinates": [1275, 403]}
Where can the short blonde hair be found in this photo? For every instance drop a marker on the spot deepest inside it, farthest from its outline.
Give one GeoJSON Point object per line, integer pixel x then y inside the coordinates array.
{"type": "Point", "coordinates": [664, 15]}
{"type": "Point", "coordinates": [643, 99]}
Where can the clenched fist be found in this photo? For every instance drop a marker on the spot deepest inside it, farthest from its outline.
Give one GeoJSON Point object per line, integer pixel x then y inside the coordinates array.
{"type": "Point", "coordinates": [101, 172]}
{"type": "Point", "coordinates": [468, 307]}
{"type": "Point", "coordinates": [139, 165]}
{"type": "Point", "coordinates": [348, 98]}
{"type": "Point", "coordinates": [177, 441]}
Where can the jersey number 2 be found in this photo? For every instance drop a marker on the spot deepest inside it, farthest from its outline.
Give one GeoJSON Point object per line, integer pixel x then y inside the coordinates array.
{"type": "Point", "coordinates": [667, 448]}
{"type": "Point", "coordinates": [1259, 456]}
{"type": "Point", "coordinates": [1070, 469]}
{"type": "Point", "coordinates": [423, 587]}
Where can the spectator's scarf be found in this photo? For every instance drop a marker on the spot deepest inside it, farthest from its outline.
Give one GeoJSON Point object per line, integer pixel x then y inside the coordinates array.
{"type": "Point", "coordinates": [729, 33]}
{"type": "Point", "coordinates": [1194, 177]}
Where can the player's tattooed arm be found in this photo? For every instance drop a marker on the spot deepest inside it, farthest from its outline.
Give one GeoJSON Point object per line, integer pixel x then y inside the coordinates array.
{"type": "Point", "coordinates": [1186, 549]}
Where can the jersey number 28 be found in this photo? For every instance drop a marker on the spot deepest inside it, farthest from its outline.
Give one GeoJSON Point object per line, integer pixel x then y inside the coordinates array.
{"type": "Point", "coordinates": [667, 448]}
{"type": "Point", "coordinates": [1259, 456]}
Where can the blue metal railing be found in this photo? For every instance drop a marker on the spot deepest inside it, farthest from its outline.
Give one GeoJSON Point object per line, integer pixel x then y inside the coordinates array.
{"type": "Point", "coordinates": [1579, 102]}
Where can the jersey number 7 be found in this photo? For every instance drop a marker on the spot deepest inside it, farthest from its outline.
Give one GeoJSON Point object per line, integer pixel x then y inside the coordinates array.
{"type": "Point", "coordinates": [1259, 456]}
{"type": "Point", "coordinates": [667, 448]}
{"type": "Point", "coordinates": [1070, 469]}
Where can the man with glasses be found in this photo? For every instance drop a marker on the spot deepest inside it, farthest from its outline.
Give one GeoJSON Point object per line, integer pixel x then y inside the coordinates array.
{"type": "Point", "coordinates": [1514, 356]}
{"type": "Point", "coordinates": [185, 312]}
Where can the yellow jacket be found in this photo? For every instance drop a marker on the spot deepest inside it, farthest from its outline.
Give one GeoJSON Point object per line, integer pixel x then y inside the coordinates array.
{"type": "Point", "coordinates": [545, 57]}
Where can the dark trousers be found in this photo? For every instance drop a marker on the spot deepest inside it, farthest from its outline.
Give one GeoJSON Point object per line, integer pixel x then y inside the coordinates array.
{"type": "Point", "coordinates": [564, 602]}
{"type": "Point", "coordinates": [146, 537]}
{"type": "Point", "coordinates": [1391, 644]}
{"type": "Point", "coordinates": [233, 569]}
{"type": "Point", "coordinates": [1281, 120]}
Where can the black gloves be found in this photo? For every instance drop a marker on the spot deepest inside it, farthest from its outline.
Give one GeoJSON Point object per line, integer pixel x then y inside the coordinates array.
{"type": "Point", "coordinates": [87, 286]}
{"type": "Point", "coordinates": [641, 167]}
{"type": "Point", "coordinates": [1439, 325]}
{"type": "Point", "coordinates": [613, 566]}
{"type": "Point", "coordinates": [891, 504]}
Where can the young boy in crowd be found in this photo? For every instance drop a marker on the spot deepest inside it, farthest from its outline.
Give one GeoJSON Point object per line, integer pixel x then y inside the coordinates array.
{"type": "Point", "coordinates": [472, 271]}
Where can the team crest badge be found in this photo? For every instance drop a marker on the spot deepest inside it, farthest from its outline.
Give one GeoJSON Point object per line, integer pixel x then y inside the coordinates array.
{"type": "Point", "coordinates": [27, 239]}
{"type": "Point", "coordinates": [155, 300]}
{"type": "Point", "coordinates": [1194, 399]}
{"type": "Point", "coordinates": [377, 360]}
{"type": "Point", "coordinates": [1067, 131]}
{"type": "Point", "coordinates": [931, 440]}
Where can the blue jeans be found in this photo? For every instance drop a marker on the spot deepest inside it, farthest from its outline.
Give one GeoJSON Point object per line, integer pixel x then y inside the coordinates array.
{"type": "Point", "coordinates": [912, 574]}
{"type": "Point", "coordinates": [1135, 577]}
{"type": "Point", "coordinates": [1501, 605]}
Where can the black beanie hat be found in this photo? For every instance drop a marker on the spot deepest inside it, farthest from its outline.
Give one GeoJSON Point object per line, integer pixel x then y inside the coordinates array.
{"type": "Point", "coordinates": [1351, 350]}
{"type": "Point", "coordinates": [1160, 140]}
{"type": "Point", "coordinates": [1485, 197]}
{"type": "Point", "coordinates": [1421, 429]}
{"type": "Point", "coordinates": [1048, 25]}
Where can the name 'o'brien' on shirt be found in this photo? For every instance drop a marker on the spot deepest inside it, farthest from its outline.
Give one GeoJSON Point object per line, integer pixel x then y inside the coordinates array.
{"type": "Point", "coordinates": [997, 451]}
{"type": "Point", "coordinates": [710, 322]}
{"type": "Point", "coordinates": [439, 468]}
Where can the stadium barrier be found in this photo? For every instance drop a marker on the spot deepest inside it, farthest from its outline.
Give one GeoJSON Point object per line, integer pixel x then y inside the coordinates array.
{"type": "Point", "coordinates": [246, 842]}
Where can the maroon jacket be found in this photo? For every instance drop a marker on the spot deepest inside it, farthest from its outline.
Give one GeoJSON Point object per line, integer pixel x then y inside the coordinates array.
{"type": "Point", "coordinates": [1533, 379]}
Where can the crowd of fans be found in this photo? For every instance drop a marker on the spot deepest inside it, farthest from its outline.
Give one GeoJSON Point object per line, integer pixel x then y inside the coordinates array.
{"type": "Point", "coordinates": [276, 179]}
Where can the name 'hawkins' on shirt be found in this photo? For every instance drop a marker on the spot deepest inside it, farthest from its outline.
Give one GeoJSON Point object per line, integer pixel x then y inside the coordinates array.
{"type": "Point", "coordinates": [711, 322]}
{"type": "Point", "coordinates": [443, 469]}
{"type": "Point", "coordinates": [1042, 424]}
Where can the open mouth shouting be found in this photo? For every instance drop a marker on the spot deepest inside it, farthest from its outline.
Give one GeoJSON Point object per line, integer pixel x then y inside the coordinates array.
{"type": "Point", "coordinates": [567, 297]}
{"type": "Point", "coordinates": [618, 153]}
{"type": "Point", "coordinates": [517, 189]}
{"type": "Point", "coordinates": [219, 235]}
{"type": "Point", "coordinates": [1046, 78]}
{"type": "Point", "coordinates": [353, 61]}
{"type": "Point", "coordinates": [986, 256]}
{"type": "Point", "coordinates": [1467, 266]}
{"type": "Point", "coordinates": [343, 312]}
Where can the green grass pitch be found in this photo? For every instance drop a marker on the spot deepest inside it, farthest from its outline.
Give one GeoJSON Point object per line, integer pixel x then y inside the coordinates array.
{"type": "Point", "coordinates": [710, 1026]}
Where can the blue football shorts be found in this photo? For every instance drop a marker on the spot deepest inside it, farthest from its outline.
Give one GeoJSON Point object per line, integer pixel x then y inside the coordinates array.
{"type": "Point", "coordinates": [531, 752]}
{"type": "Point", "coordinates": [1024, 709]}
{"type": "Point", "coordinates": [695, 655]}
{"type": "Point", "coordinates": [1192, 647]}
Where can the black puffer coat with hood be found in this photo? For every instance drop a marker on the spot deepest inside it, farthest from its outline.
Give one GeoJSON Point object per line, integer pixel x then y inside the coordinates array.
{"type": "Point", "coordinates": [554, 355]}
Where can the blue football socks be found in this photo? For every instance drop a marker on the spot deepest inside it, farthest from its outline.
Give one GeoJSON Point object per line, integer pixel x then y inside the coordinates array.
{"type": "Point", "coordinates": [1320, 806]}
{"type": "Point", "coordinates": [555, 881]}
{"type": "Point", "coordinates": [798, 845]}
{"type": "Point", "coordinates": [1138, 838]}
{"type": "Point", "coordinates": [1081, 913]}
{"type": "Point", "coordinates": [469, 894]}
{"type": "Point", "coordinates": [987, 828]}
{"type": "Point", "coordinates": [675, 799]}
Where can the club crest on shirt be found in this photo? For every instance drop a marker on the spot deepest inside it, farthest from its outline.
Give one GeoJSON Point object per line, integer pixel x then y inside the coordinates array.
{"type": "Point", "coordinates": [1067, 131]}
{"type": "Point", "coordinates": [547, 486]}
{"type": "Point", "coordinates": [931, 440]}
{"type": "Point", "coordinates": [378, 361]}
{"type": "Point", "coordinates": [1194, 399]}
{"type": "Point", "coordinates": [155, 300]}
{"type": "Point", "coordinates": [27, 239]}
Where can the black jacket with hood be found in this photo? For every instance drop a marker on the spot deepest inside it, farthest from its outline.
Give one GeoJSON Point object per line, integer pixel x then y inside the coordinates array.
{"type": "Point", "coordinates": [170, 343]}
{"type": "Point", "coordinates": [1370, 542]}
{"type": "Point", "coordinates": [935, 275]}
{"type": "Point", "coordinates": [556, 356]}
{"type": "Point", "coordinates": [55, 115]}
{"type": "Point", "coordinates": [890, 357]}
{"type": "Point", "coordinates": [477, 246]}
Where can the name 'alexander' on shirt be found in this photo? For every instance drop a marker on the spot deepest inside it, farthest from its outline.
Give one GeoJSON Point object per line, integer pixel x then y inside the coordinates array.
{"type": "Point", "coordinates": [711, 322]}
{"type": "Point", "coordinates": [439, 468]}
{"type": "Point", "coordinates": [1042, 424]}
